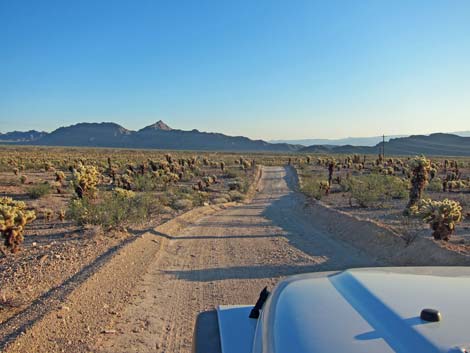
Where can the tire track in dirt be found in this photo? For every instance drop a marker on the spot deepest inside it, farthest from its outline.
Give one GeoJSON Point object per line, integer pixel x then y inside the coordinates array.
{"type": "Point", "coordinates": [226, 258]}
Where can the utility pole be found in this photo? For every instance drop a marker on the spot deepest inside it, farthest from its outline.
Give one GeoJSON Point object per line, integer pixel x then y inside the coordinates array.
{"type": "Point", "coordinates": [383, 147]}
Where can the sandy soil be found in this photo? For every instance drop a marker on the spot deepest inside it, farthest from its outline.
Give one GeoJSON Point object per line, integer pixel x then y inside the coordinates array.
{"type": "Point", "coordinates": [225, 258]}
{"type": "Point", "coordinates": [55, 250]}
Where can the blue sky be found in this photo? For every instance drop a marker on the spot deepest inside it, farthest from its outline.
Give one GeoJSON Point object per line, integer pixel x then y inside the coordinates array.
{"type": "Point", "coordinates": [264, 69]}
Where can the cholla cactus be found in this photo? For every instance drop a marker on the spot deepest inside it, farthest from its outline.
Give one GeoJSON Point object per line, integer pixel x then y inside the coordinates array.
{"type": "Point", "coordinates": [388, 171]}
{"type": "Point", "coordinates": [61, 215]}
{"type": "Point", "coordinates": [246, 164]}
{"type": "Point", "coordinates": [23, 179]}
{"type": "Point", "coordinates": [47, 214]}
{"type": "Point", "coordinates": [16, 171]}
{"type": "Point", "coordinates": [324, 186]}
{"type": "Point", "coordinates": [126, 181]}
{"type": "Point", "coordinates": [442, 216]}
{"type": "Point", "coordinates": [222, 166]}
{"type": "Point", "coordinates": [168, 158]}
{"type": "Point", "coordinates": [48, 166]}
{"type": "Point", "coordinates": [209, 180]}
{"type": "Point", "coordinates": [59, 176]}
{"type": "Point", "coordinates": [125, 194]}
{"type": "Point", "coordinates": [331, 168]}
{"type": "Point", "coordinates": [420, 167]}
{"type": "Point", "coordinates": [85, 179]}
{"type": "Point", "coordinates": [13, 219]}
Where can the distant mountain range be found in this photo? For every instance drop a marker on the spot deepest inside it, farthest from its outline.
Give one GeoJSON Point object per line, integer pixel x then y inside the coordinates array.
{"type": "Point", "coordinates": [354, 141]}
{"type": "Point", "coordinates": [161, 136]}
{"type": "Point", "coordinates": [18, 136]}
{"type": "Point", "coordinates": [438, 144]}
{"type": "Point", "coordinates": [158, 136]}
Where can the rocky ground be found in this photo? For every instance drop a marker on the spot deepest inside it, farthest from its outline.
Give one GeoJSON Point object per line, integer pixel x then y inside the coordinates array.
{"type": "Point", "coordinates": [144, 294]}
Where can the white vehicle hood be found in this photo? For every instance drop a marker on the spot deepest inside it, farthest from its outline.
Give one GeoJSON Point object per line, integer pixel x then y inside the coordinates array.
{"type": "Point", "coordinates": [367, 310]}
{"type": "Point", "coordinates": [374, 310]}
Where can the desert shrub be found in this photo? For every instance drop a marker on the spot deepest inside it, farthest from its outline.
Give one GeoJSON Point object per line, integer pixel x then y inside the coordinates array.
{"type": "Point", "coordinates": [442, 216]}
{"type": "Point", "coordinates": [165, 199]}
{"type": "Point", "coordinates": [236, 195]}
{"type": "Point", "coordinates": [396, 188]}
{"type": "Point", "coordinates": [366, 190]}
{"type": "Point", "coordinates": [234, 185]}
{"type": "Point", "coordinates": [435, 185]}
{"type": "Point", "coordinates": [39, 190]}
{"type": "Point", "coordinates": [123, 193]}
{"type": "Point", "coordinates": [219, 200]}
{"type": "Point", "coordinates": [199, 198]}
{"type": "Point", "coordinates": [112, 210]}
{"type": "Point", "coordinates": [314, 187]}
{"type": "Point", "coordinates": [372, 189]}
{"type": "Point", "coordinates": [235, 173]}
{"type": "Point", "coordinates": [13, 219]}
{"type": "Point", "coordinates": [182, 204]}
{"type": "Point", "coordinates": [23, 179]}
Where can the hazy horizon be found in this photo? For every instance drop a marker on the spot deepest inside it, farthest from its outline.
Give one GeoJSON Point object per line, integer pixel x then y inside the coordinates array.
{"type": "Point", "coordinates": [267, 70]}
{"type": "Point", "coordinates": [282, 140]}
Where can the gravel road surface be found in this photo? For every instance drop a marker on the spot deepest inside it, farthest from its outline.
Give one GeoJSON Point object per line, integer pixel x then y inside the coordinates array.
{"type": "Point", "coordinates": [226, 258]}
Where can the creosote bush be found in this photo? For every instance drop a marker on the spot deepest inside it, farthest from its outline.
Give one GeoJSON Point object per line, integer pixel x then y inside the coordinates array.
{"type": "Point", "coordinates": [13, 219]}
{"type": "Point", "coordinates": [236, 196]}
{"type": "Point", "coordinates": [182, 204]}
{"type": "Point", "coordinates": [315, 187]}
{"type": "Point", "coordinates": [117, 209]}
{"type": "Point", "coordinates": [373, 189]}
{"type": "Point", "coordinates": [442, 216]}
{"type": "Point", "coordinates": [39, 190]}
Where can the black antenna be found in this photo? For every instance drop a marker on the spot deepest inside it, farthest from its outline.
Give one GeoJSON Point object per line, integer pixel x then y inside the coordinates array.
{"type": "Point", "coordinates": [254, 314]}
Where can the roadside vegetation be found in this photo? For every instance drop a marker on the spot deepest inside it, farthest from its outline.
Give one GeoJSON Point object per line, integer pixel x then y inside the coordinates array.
{"type": "Point", "coordinates": [436, 191]}
{"type": "Point", "coordinates": [61, 208]}
{"type": "Point", "coordinates": [116, 189]}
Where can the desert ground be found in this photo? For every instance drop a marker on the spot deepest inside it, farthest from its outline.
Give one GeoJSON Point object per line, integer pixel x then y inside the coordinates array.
{"type": "Point", "coordinates": [138, 284]}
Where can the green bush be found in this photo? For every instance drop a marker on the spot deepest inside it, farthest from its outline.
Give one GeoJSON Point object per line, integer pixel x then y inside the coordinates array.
{"type": "Point", "coordinates": [39, 190]}
{"type": "Point", "coordinates": [182, 204]}
{"type": "Point", "coordinates": [314, 187]}
{"type": "Point", "coordinates": [144, 183]}
{"type": "Point", "coordinates": [435, 185]}
{"type": "Point", "coordinates": [236, 196]}
{"type": "Point", "coordinates": [219, 200]}
{"type": "Point", "coordinates": [372, 189]}
{"type": "Point", "coordinates": [112, 210]}
{"type": "Point", "coordinates": [197, 198]}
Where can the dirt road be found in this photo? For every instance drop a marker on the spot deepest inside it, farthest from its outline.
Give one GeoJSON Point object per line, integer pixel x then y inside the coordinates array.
{"type": "Point", "coordinates": [226, 258]}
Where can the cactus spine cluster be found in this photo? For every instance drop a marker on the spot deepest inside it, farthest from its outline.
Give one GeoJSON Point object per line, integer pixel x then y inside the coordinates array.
{"type": "Point", "coordinates": [13, 219]}
{"type": "Point", "coordinates": [442, 216]}
{"type": "Point", "coordinates": [85, 179]}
